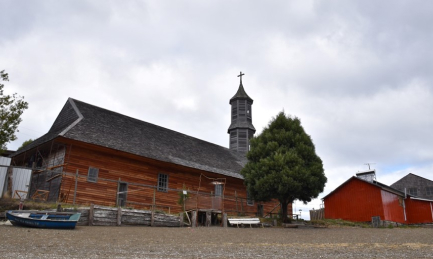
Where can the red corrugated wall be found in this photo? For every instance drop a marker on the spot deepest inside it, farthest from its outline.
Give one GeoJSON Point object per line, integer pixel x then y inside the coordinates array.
{"type": "Point", "coordinates": [418, 211]}
{"type": "Point", "coordinates": [392, 207]}
{"type": "Point", "coordinates": [356, 200]}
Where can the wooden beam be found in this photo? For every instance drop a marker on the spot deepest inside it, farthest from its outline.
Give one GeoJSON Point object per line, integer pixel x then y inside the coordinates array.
{"type": "Point", "coordinates": [48, 168]}
{"type": "Point", "coordinates": [52, 178]}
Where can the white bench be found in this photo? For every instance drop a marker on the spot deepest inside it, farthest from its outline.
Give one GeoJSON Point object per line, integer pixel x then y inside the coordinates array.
{"type": "Point", "coordinates": [242, 221]}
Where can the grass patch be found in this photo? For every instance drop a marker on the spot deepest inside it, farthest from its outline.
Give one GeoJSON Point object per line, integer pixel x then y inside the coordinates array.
{"type": "Point", "coordinates": [338, 223]}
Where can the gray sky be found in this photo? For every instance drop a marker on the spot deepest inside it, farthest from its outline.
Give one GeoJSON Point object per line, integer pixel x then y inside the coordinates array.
{"type": "Point", "coordinates": [358, 74]}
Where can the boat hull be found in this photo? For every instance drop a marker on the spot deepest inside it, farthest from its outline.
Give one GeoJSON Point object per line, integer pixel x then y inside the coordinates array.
{"type": "Point", "coordinates": [18, 220]}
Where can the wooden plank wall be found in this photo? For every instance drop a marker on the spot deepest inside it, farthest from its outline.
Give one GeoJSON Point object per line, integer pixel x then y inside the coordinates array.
{"type": "Point", "coordinates": [141, 176]}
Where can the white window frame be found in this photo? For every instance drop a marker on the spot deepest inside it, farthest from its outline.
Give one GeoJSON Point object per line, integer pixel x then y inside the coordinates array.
{"type": "Point", "coordinates": [92, 174]}
{"type": "Point", "coordinates": [162, 184]}
{"type": "Point", "coordinates": [411, 191]}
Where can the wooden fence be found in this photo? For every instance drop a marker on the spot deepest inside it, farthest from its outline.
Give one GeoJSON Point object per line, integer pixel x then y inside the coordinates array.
{"type": "Point", "coordinates": [109, 216]}
{"type": "Point", "coordinates": [317, 214]}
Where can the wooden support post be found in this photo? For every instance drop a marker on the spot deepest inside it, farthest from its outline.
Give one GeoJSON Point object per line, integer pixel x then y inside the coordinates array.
{"type": "Point", "coordinates": [225, 220]}
{"type": "Point", "coordinates": [152, 216]}
{"type": "Point", "coordinates": [194, 219]}
{"type": "Point", "coordinates": [208, 218]}
{"type": "Point", "coordinates": [117, 193]}
{"type": "Point", "coordinates": [31, 180]}
{"type": "Point", "coordinates": [75, 189]}
{"type": "Point", "coordinates": [154, 199]}
{"type": "Point", "coordinates": [275, 223]}
{"type": "Point", "coordinates": [119, 216]}
{"type": "Point", "coordinates": [91, 213]}
{"type": "Point", "coordinates": [181, 219]}
{"type": "Point", "coordinates": [236, 198]}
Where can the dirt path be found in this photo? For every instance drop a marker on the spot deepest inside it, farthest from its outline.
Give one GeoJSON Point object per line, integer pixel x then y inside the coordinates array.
{"type": "Point", "coordinates": [215, 242]}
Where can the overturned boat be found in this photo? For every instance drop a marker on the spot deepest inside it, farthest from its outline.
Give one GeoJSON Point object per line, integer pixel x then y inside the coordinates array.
{"type": "Point", "coordinates": [43, 219]}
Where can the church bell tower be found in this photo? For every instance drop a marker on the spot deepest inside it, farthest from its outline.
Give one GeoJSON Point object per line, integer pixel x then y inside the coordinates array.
{"type": "Point", "coordinates": [241, 129]}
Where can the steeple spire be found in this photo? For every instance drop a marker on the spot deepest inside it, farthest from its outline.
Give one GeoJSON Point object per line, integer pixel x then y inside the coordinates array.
{"type": "Point", "coordinates": [241, 129]}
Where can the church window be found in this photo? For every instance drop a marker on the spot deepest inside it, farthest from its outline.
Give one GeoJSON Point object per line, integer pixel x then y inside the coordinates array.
{"type": "Point", "coordinates": [218, 189]}
{"type": "Point", "coordinates": [92, 174]}
{"type": "Point", "coordinates": [162, 183]}
{"type": "Point", "coordinates": [242, 110]}
{"type": "Point", "coordinates": [250, 201]}
{"type": "Point", "coordinates": [249, 113]}
{"type": "Point", "coordinates": [413, 191]}
{"type": "Point", "coordinates": [233, 139]}
{"type": "Point", "coordinates": [242, 140]}
{"type": "Point", "coordinates": [234, 112]}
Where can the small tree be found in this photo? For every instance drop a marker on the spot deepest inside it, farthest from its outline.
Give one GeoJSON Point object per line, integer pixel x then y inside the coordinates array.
{"type": "Point", "coordinates": [283, 165]}
{"type": "Point", "coordinates": [11, 108]}
{"type": "Point", "coordinates": [25, 143]}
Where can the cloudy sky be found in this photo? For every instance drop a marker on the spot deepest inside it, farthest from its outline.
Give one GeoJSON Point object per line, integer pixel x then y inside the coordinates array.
{"type": "Point", "coordinates": [358, 74]}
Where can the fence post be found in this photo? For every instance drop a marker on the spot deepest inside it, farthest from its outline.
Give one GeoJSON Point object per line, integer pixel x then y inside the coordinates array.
{"type": "Point", "coordinates": [154, 199]}
{"type": "Point", "coordinates": [208, 218]}
{"type": "Point", "coordinates": [225, 220]}
{"type": "Point", "coordinates": [236, 198]}
{"type": "Point", "coordinates": [76, 183]}
{"type": "Point", "coordinates": [91, 213]}
{"type": "Point", "coordinates": [152, 215]}
{"type": "Point", "coordinates": [194, 219]}
{"type": "Point", "coordinates": [181, 219]}
{"type": "Point", "coordinates": [31, 179]}
{"type": "Point", "coordinates": [119, 216]}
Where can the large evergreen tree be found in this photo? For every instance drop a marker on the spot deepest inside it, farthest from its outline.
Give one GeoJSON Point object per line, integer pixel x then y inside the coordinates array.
{"type": "Point", "coordinates": [283, 165]}
{"type": "Point", "coordinates": [11, 108]}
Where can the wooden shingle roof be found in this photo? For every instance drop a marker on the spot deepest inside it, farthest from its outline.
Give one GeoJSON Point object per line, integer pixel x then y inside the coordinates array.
{"type": "Point", "coordinates": [241, 94]}
{"type": "Point", "coordinates": [94, 125]}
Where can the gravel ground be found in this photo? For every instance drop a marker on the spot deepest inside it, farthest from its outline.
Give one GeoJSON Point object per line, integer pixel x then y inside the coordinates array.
{"type": "Point", "coordinates": [215, 242]}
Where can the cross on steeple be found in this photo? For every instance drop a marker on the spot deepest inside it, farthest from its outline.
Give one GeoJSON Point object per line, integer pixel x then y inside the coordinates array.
{"type": "Point", "coordinates": [240, 76]}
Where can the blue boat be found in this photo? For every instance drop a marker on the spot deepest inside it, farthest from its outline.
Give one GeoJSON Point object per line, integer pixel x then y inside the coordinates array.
{"type": "Point", "coordinates": [43, 219]}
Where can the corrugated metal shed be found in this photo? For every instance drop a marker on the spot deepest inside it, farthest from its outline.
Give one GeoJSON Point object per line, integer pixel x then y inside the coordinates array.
{"type": "Point", "coordinates": [4, 161]}
{"type": "Point", "coordinates": [20, 180]}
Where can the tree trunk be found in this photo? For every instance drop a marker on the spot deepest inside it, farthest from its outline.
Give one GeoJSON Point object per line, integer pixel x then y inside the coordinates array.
{"type": "Point", "coordinates": [284, 211]}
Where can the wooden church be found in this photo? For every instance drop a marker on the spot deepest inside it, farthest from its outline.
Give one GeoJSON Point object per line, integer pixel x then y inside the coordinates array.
{"type": "Point", "coordinates": [92, 155]}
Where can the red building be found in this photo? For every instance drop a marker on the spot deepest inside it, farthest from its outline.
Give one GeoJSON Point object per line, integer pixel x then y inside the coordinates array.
{"type": "Point", "coordinates": [361, 197]}
{"type": "Point", "coordinates": [419, 210]}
